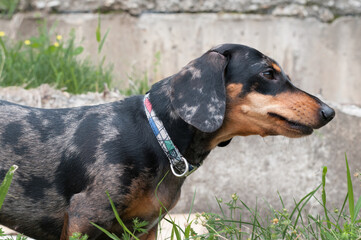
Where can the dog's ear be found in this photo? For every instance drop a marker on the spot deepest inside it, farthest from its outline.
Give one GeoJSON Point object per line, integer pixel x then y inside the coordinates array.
{"type": "Point", "coordinates": [198, 92]}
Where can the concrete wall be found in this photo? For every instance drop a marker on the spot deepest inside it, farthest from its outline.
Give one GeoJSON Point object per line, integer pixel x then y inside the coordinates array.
{"type": "Point", "coordinates": [321, 53]}
{"type": "Point", "coordinates": [323, 58]}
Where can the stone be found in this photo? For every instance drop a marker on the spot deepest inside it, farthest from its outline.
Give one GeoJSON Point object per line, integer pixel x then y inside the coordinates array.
{"type": "Point", "coordinates": [137, 7]}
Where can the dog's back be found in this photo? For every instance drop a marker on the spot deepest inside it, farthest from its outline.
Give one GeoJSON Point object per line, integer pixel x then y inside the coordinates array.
{"type": "Point", "coordinates": [60, 152]}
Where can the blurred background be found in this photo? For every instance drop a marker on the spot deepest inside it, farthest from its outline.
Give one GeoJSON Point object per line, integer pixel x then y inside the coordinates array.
{"type": "Point", "coordinates": [138, 42]}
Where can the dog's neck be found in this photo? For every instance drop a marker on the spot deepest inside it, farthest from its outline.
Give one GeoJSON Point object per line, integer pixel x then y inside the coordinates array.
{"type": "Point", "coordinates": [192, 143]}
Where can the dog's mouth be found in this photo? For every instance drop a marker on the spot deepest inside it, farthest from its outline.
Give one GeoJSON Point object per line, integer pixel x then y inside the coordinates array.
{"type": "Point", "coordinates": [295, 126]}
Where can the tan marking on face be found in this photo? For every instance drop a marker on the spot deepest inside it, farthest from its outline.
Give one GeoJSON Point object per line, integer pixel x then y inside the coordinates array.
{"type": "Point", "coordinates": [250, 115]}
{"type": "Point", "coordinates": [276, 67]}
{"type": "Point", "coordinates": [233, 90]}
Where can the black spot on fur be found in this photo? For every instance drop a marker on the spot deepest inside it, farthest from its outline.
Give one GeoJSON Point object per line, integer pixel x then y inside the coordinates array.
{"type": "Point", "coordinates": [2, 174]}
{"type": "Point", "coordinates": [35, 187]}
{"type": "Point", "coordinates": [87, 137]}
{"type": "Point", "coordinates": [71, 176]}
{"type": "Point", "coordinates": [12, 134]}
{"type": "Point", "coordinates": [49, 123]}
{"type": "Point", "coordinates": [135, 160]}
{"type": "Point", "coordinates": [128, 161]}
{"type": "Point", "coordinates": [21, 150]}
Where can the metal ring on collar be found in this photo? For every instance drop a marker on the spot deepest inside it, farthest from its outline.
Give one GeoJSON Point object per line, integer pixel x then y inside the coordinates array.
{"type": "Point", "coordinates": [186, 170]}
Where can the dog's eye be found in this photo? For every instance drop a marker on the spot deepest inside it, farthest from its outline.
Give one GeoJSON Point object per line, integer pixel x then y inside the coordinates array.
{"type": "Point", "coordinates": [268, 75]}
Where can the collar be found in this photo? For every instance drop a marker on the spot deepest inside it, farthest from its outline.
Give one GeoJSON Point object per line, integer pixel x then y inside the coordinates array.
{"type": "Point", "coordinates": [178, 164]}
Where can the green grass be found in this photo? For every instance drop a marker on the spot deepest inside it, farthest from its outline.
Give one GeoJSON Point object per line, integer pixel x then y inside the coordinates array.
{"type": "Point", "coordinates": [50, 58]}
{"type": "Point", "coordinates": [239, 221]}
{"type": "Point", "coordinates": [8, 7]}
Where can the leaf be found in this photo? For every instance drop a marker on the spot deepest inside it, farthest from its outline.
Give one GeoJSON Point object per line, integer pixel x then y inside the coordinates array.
{"type": "Point", "coordinates": [112, 236]}
{"type": "Point", "coordinates": [357, 209]}
{"type": "Point", "coordinates": [97, 31]}
{"type": "Point", "coordinates": [177, 234]}
{"type": "Point", "coordinates": [51, 49]}
{"type": "Point", "coordinates": [188, 231]}
{"type": "Point", "coordinates": [306, 199]}
{"type": "Point", "coordinates": [6, 183]}
{"type": "Point", "coordinates": [78, 51]}
{"type": "Point", "coordinates": [35, 45]}
{"type": "Point", "coordinates": [116, 214]}
{"type": "Point", "coordinates": [102, 42]}
{"type": "Point", "coordinates": [351, 202]}
{"type": "Point", "coordinates": [324, 196]}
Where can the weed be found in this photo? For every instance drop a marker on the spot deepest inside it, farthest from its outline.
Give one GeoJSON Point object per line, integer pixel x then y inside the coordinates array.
{"type": "Point", "coordinates": [8, 7]}
{"type": "Point", "coordinates": [231, 223]}
{"type": "Point", "coordinates": [285, 224]}
{"type": "Point", "coordinates": [47, 58]}
{"type": "Point", "coordinates": [78, 236]}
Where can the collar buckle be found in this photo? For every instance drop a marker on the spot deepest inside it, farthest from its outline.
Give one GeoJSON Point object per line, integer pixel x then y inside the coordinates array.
{"type": "Point", "coordinates": [178, 164]}
{"type": "Point", "coordinates": [188, 168]}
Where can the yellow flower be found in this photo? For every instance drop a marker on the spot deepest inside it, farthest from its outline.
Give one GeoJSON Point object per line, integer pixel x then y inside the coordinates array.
{"type": "Point", "coordinates": [27, 42]}
{"type": "Point", "coordinates": [2, 34]}
{"type": "Point", "coordinates": [56, 44]}
{"type": "Point", "coordinates": [275, 221]}
{"type": "Point", "coordinates": [59, 37]}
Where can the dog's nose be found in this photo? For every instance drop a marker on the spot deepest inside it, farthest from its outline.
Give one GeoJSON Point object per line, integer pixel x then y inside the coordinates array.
{"type": "Point", "coordinates": [327, 113]}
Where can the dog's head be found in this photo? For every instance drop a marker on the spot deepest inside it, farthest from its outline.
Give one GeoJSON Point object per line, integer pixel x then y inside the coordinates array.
{"type": "Point", "coordinates": [236, 90]}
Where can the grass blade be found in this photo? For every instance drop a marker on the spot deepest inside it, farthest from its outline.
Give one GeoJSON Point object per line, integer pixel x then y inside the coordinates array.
{"type": "Point", "coordinates": [118, 218]}
{"type": "Point", "coordinates": [103, 41]}
{"type": "Point", "coordinates": [341, 211]}
{"type": "Point", "coordinates": [280, 197]}
{"type": "Point", "coordinates": [176, 232]}
{"type": "Point", "coordinates": [307, 198]}
{"type": "Point", "coordinates": [6, 183]}
{"type": "Point", "coordinates": [324, 172]}
{"type": "Point", "coordinates": [191, 208]}
{"type": "Point", "coordinates": [111, 236]}
{"type": "Point", "coordinates": [351, 202]}
{"type": "Point", "coordinates": [357, 209]}
{"type": "Point", "coordinates": [97, 31]}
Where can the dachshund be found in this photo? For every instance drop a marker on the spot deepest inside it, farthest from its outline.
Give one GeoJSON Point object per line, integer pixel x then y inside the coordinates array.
{"type": "Point", "coordinates": [141, 149]}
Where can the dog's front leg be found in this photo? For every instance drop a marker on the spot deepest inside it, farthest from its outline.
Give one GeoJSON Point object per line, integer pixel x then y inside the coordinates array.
{"type": "Point", "coordinates": [84, 209]}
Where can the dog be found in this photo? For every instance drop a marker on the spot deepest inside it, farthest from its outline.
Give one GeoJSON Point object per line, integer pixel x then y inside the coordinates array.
{"type": "Point", "coordinates": [141, 149]}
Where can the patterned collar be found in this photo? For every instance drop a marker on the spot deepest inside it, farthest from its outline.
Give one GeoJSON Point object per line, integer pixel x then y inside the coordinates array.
{"type": "Point", "coordinates": [178, 164]}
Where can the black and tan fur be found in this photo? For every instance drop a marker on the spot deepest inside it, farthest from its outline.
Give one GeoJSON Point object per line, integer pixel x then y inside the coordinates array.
{"type": "Point", "coordinates": [69, 158]}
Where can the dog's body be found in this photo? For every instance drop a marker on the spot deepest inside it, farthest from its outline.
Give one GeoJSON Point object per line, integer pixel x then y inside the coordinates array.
{"type": "Point", "coordinates": [69, 158]}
